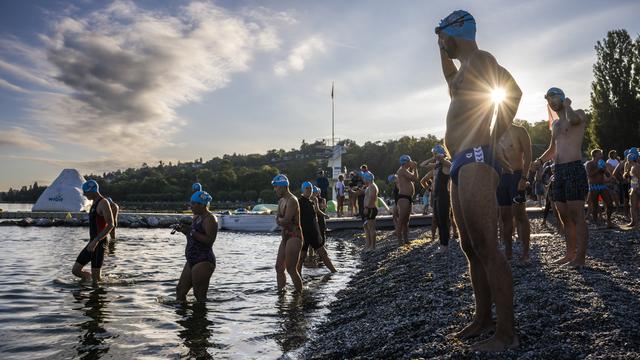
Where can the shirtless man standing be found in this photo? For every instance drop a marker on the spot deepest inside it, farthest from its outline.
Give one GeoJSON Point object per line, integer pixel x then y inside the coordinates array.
{"type": "Point", "coordinates": [570, 185]}
{"type": "Point", "coordinates": [407, 174]}
{"type": "Point", "coordinates": [516, 146]}
{"type": "Point", "coordinates": [291, 244]}
{"type": "Point", "coordinates": [370, 210]}
{"type": "Point", "coordinates": [599, 176]}
{"type": "Point", "coordinates": [474, 172]}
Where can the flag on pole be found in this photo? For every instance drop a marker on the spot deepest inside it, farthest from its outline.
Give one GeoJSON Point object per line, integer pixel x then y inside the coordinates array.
{"type": "Point", "coordinates": [332, 89]}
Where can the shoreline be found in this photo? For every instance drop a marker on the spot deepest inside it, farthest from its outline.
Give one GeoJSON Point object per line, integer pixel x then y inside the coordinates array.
{"type": "Point", "coordinates": [404, 302]}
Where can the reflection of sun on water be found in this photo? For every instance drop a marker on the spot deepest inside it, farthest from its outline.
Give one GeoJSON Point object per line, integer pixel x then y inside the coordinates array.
{"type": "Point", "coordinates": [498, 95]}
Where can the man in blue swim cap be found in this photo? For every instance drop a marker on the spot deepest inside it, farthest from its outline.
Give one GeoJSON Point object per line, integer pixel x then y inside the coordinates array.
{"type": "Point", "coordinates": [100, 225]}
{"type": "Point", "coordinates": [407, 174]}
{"type": "Point", "coordinates": [291, 245]}
{"type": "Point", "coordinates": [471, 140]}
{"type": "Point", "coordinates": [570, 185]}
{"type": "Point", "coordinates": [599, 177]}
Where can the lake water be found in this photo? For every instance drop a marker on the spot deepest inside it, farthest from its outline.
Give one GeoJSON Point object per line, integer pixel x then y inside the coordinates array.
{"type": "Point", "coordinates": [46, 313]}
{"type": "Point", "coordinates": [15, 207]}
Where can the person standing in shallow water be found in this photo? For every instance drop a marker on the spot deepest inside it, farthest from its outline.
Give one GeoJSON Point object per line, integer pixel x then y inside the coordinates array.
{"type": "Point", "coordinates": [291, 244]}
{"type": "Point", "coordinates": [115, 209]}
{"type": "Point", "coordinates": [474, 173]}
{"type": "Point", "coordinates": [310, 228]}
{"type": "Point", "coordinates": [100, 225]}
{"type": "Point", "coordinates": [570, 185]}
{"type": "Point", "coordinates": [201, 262]}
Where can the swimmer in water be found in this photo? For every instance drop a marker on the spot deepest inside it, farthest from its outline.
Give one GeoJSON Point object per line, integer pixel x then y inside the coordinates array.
{"type": "Point", "coordinates": [201, 262]}
{"type": "Point", "coordinates": [101, 223]}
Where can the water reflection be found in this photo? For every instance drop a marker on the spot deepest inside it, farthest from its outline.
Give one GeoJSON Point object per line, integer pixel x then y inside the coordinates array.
{"type": "Point", "coordinates": [292, 319]}
{"type": "Point", "coordinates": [93, 342]}
{"type": "Point", "coordinates": [196, 333]}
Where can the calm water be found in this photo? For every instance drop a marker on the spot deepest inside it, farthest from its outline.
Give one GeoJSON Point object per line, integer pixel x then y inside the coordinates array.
{"type": "Point", "coordinates": [15, 207]}
{"type": "Point", "coordinates": [45, 313]}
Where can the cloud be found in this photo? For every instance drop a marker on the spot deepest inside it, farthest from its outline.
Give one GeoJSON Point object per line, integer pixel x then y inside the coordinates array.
{"type": "Point", "coordinates": [88, 166]}
{"type": "Point", "coordinates": [9, 86]}
{"type": "Point", "coordinates": [300, 55]}
{"type": "Point", "coordinates": [126, 70]}
{"type": "Point", "coordinates": [18, 138]}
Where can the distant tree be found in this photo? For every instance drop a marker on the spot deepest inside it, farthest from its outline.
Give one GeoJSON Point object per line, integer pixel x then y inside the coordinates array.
{"type": "Point", "coordinates": [615, 96]}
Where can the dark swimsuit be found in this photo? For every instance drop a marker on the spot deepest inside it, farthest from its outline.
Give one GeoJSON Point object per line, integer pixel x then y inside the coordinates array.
{"type": "Point", "coordinates": [571, 182]}
{"type": "Point", "coordinates": [480, 154]}
{"type": "Point", "coordinates": [309, 223]}
{"type": "Point", "coordinates": [403, 196]}
{"type": "Point", "coordinates": [97, 223]}
{"type": "Point", "coordinates": [370, 213]}
{"type": "Point", "coordinates": [195, 251]}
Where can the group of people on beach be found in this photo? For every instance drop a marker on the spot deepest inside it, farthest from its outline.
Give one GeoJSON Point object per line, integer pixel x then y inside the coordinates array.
{"type": "Point", "coordinates": [479, 175]}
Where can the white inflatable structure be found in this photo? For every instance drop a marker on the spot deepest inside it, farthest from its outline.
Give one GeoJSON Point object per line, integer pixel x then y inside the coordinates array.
{"type": "Point", "coordinates": [64, 194]}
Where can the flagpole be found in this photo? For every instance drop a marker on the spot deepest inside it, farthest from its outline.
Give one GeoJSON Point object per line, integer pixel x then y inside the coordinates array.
{"type": "Point", "coordinates": [333, 142]}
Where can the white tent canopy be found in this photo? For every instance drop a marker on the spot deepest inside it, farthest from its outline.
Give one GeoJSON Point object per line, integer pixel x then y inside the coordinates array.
{"type": "Point", "coordinates": [64, 194]}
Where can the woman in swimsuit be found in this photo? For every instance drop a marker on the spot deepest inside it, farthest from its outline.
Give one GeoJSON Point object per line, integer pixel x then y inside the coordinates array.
{"type": "Point", "coordinates": [199, 249]}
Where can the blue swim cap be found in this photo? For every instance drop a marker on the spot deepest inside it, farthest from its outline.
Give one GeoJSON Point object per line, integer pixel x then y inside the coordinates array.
{"type": "Point", "coordinates": [404, 159]}
{"type": "Point", "coordinates": [280, 180]}
{"type": "Point", "coordinates": [632, 156]}
{"type": "Point", "coordinates": [90, 186]}
{"type": "Point", "coordinates": [391, 178]}
{"type": "Point", "coordinates": [196, 187]}
{"type": "Point", "coordinates": [438, 149]}
{"type": "Point", "coordinates": [602, 164]}
{"type": "Point", "coordinates": [634, 150]}
{"type": "Point", "coordinates": [305, 185]}
{"type": "Point", "coordinates": [316, 190]}
{"type": "Point", "coordinates": [553, 92]}
{"type": "Point", "coordinates": [458, 24]}
{"type": "Point", "coordinates": [201, 197]}
{"type": "Point", "coordinates": [368, 176]}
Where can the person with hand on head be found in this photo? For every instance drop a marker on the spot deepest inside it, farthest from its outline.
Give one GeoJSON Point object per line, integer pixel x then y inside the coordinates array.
{"type": "Point", "coordinates": [570, 186]}
{"type": "Point", "coordinates": [472, 142]}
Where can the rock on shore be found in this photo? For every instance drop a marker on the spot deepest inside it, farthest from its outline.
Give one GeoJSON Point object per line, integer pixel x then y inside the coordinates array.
{"type": "Point", "coordinates": [406, 301]}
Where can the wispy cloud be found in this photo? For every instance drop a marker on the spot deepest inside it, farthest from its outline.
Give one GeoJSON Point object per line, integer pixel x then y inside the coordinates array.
{"type": "Point", "coordinates": [18, 138]}
{"type": "Point", "coordinates": [95, 166]}
{"type": "Point", "coordinates": [126, 69]}
{"type": "Point", "coordinates": [300, 55]}
{"type": "Point", "coordinates": [13, 87]}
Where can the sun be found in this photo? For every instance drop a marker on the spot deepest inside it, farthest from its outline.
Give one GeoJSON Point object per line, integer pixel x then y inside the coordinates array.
{"type": "Point", "coordinates": [498, 95]}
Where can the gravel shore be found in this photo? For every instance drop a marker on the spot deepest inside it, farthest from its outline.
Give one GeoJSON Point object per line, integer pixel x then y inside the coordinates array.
{"type": "Point", "coordinates": [406, 301]}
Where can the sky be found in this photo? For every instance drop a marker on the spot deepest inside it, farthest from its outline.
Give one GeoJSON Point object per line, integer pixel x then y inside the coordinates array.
{"type": "Point", "coordinates": [106, 85]}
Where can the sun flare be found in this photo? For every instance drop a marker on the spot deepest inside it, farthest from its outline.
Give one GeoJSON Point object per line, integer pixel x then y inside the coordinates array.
{"type": "Point", "coordinates": [498, 95]}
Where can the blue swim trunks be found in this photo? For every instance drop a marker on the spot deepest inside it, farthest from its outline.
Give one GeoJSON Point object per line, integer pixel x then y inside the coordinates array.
{"type": "Point", "coordinates": [598, 187]}
{"type": "Point", "coordinates": [481, 154]}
